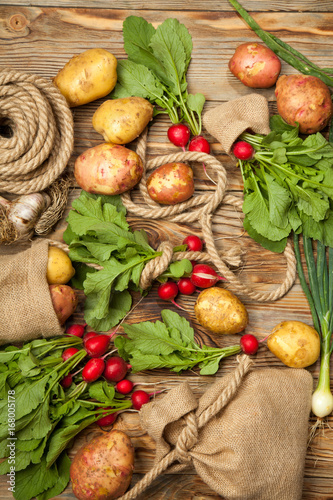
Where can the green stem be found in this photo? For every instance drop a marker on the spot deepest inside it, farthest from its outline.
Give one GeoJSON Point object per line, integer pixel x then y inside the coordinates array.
{"type": "Point", "coordinates": [304, 284]}
{"type": "Point", "coordinates": [310, 263]}
{"type": "Point", "coordinates": [324, 374]}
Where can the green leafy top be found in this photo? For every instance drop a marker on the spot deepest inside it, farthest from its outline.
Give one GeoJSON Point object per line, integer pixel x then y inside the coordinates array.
{"type": "Point", "coordinates": [98, 233]}
{"type": "Point", "coordinates": [168, 344]}
{"type": "Point", "coordinates": [156, 68]}
{"type": "Point", "coordinates": [288, 186]}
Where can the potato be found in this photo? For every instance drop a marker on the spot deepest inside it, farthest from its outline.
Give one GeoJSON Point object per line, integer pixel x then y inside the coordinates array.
{"type": "Point", "coordinates": [122, 120]}
{"type": "Point", "coordinates": [255, 65]}
{"type": "Point", "coordinates": [87, 77]}
{"type": "Point", "coordinates": [108, 169]}
{"type": "Point", "coordinates": [103, 468]}
{"type": "Point", "coordinates": [64, 300]}
{"type": "Point", "coordinates": [295, 343]}
{"type": "Point", "coordinates": [59, 267]}
{"type": "Point", "coordinates": [220, 311]}
{"type": "Point", "coordinates": [171, 183]}
{"type": "Point", "coordinates": [304, 99]}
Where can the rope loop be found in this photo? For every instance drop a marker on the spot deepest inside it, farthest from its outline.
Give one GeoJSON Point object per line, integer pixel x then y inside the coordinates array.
{"type": "Point", "coordinates": [201, 208]}
{"type": "Point", "coordinates": [37, 149]}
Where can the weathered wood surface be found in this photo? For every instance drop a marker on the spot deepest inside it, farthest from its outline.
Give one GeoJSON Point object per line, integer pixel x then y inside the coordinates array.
{"type": "Point", "coordinates": [41, 38]}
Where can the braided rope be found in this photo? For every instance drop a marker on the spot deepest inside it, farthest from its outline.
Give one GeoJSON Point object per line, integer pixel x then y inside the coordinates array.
{"type": "Point", "coordinates": [189, 434]}
{"type": "Point", "coordinates": [201, 208]}
{"type": "Point", "coordinates": [42, 132]}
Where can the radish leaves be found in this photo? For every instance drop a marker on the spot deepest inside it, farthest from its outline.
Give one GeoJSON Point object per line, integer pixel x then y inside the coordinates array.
{"type": "Point", "coordinates": [156, 68]}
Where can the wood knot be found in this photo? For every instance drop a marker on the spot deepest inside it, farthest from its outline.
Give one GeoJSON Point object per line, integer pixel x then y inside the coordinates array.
{"type": "Point", "coordinates": [18, 22]}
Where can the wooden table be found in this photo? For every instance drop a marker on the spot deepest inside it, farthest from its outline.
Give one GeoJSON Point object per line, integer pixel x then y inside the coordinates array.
{"type": "Point", "coordinates": [40, 39]}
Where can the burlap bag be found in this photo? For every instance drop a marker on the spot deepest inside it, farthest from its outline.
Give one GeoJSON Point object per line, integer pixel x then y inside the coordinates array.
{"type": "Point", "coordinates": [246, 436]}
{"type": "Point", "coordinates": [229, 120]}
{"type": "Point", "coordinates": [26, 310]}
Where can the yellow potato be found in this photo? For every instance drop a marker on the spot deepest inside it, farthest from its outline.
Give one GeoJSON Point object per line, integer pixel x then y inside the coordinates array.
{"type": "Point", "coordinates": [59, 267]}
{"type": "Point", "coordinates": [122, 120]}
{"type": "Point", "coordinates": [87, 77]}
{"type": "Point", "coordinates": [295, 343]}
{"type": "Point", "coordinates": [220, 311]}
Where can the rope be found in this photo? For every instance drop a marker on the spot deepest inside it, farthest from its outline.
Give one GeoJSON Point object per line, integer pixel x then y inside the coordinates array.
{"type": "Point", "coordinates": [41, 139]}
{"type": "Point", "coordinates": [201, 208]}
{"type": "Point", "coordinates": [189, 435]}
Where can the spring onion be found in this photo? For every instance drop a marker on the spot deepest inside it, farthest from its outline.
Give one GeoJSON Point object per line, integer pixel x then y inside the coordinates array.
{"type": "Point", "coordinates": [319, 294]}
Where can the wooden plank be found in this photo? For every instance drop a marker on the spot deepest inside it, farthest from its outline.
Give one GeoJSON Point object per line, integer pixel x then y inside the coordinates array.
{"type": "Point", "coordinates": [189, 5]}
{"type": "Point", "coordinates": [215, 35]}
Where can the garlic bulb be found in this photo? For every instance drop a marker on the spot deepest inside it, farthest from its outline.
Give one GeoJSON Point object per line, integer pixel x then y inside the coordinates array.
{"type": "Point", "coordinates": [25, 211]}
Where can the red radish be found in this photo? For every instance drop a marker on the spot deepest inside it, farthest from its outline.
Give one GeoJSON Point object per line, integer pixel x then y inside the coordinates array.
{"type": "Point", "coordinates": [204, 276]}
{"type": "Point", "coordinates": [140, 398]}
{"type": "Point", "coordinates": [68, 353]}
{"type": "Point", "coordinates": [185, 286]}
{"type": "Point", "coordinates": [93, 369]}
{"type": "Point", "coordinates": [193, 242]}
{"type": "Point", "coordinates": [97, 345]}
{"type": "Point", "coordinates": [168, 291]}
{"type": "Point", "coordinates": [249, 344]}
{"type": "Point", "coordinates": [88, 336]}
{"type": "Point", "coordinates": [77, 330]}
{"type": "Point", "coordinates": [179, 135]}
{"type": "Point", "coordinates": [243, 150]}
{"type": "Point", "coordinates": [66, 381]}
{"type": "Point", "coordinates": [199, 143]}
{"type": "Point", "coordinates": [115, 369]}
{"type": "Point", "coordinates": [124, 386]}
{"type": "Point", "coordinates": [108, 419]}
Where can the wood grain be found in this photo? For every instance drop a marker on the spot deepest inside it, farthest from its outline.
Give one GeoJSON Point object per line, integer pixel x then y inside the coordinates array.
{"type": "Point", "coordinates": [41, 38]}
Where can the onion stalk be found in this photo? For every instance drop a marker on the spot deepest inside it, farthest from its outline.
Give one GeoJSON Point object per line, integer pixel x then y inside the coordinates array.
{"type": "Point", "coordinates": [319, 294]}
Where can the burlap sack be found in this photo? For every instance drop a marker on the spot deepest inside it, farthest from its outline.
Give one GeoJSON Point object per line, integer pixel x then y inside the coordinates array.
{"type": "Point", "coordinates": [229, 120]}
{"type": "Point", "coordinates": [26, 310]}
{"type": "Point", "coordinates": [246, 436]}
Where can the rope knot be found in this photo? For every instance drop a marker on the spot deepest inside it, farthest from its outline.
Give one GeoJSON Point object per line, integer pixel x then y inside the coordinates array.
{"type": "Point", "coordinates": [187, 439]}
{"type": "Point", "coordinates": [157, 266]}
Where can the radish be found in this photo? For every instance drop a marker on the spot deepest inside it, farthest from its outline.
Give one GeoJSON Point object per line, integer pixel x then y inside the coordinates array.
{"type": "Point", "coordinates": [185, 286]}
{"type": "Point", "coordinates": [249, 344]}
{"type": "Point", "coordinates": [97, 345]}
{"type": "Point", "coordinates": [200, 144]}
{"type": "Point", "coordinates": [66, 381]}
{"type": "Point", "coordinates": [179, 135]}
{"type": "Point", "coordinates": [93, 369]}
{"type": "Point", "coordinates": [107, 419]}
{"type": "Point", "coordinates": [243, 150]}
{"type": "Point", "coordinates": [68, 353]}
{"type": "Point", "coordinates": [115, 369]}
{"type": "Point", "coordinates": [124, 386]}
{"type": "Point", "coordinates": [77, 330]}
{"type": "Point", "coordinates": [193, 242]}
{"type": "Point", "coordinates": [88, 336]}
{"type": "Point", "coordinates": [204, 276]}
{"type": "Point", "coordinates": [168, 291]}
{"type": "Point", "coordinates": [140, 398]}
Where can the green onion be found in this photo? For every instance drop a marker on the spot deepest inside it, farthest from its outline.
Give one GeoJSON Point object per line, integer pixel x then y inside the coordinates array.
{"type": "Point", "coordinates": [320, 298]}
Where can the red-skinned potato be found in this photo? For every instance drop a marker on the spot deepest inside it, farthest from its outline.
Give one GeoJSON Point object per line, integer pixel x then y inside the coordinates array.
{"type": "Point", "coordinates": [103, 468]}
{"type": "Point", "coordinates": [171, 183]}
{"type": "Point", "coordinates": [304, 99]}
{"type": "Point", "coordinates": [255, 65]}
{"type": "Point", "coordinates": [64, 301]}
{"type": "Point", "coordinates": [108, 169]}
